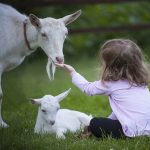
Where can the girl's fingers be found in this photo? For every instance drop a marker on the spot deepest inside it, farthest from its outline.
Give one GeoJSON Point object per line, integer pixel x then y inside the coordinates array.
{"type": "Point", "coordinates": [66, 67]}
{"type": "Point", "coordinates": [59, 65]}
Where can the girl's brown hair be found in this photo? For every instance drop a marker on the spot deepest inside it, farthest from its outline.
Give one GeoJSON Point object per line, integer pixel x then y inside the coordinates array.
{"type": "Point", "coordinates": [123, 59]}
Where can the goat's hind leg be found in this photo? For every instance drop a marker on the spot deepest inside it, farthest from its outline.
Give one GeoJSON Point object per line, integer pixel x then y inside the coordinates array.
{"type": "Point", "coordinates": [2, 123]}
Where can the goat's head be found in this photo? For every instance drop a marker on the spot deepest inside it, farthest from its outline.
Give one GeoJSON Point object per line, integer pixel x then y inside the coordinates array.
{"type": "Point", "coordinates": [51, 35]}
{"type": "Point", "coordinates": [49, 106]}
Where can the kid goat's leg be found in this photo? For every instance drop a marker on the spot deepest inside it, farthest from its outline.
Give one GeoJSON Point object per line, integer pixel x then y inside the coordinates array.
{"type": "Point", "coordinates": [60, 133]}
{"type": "Point", "coordinates": [2, 123]}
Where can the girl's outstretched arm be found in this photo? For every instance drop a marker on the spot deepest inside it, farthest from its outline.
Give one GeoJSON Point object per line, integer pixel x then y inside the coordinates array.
{"type": "Point", "coordinates": [90, 88]}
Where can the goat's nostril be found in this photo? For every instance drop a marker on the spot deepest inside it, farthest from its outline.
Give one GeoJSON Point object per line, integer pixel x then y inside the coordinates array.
{"type": "Point", "coordinates": [60, 59]}
{"type": "Point", "coordinates": [52, 122]}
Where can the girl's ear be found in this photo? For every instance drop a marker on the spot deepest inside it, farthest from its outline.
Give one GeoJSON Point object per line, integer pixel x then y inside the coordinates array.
{"type": "Point", "coordinates": [62, 95]}
{"type": "Point", "coordinates": [36, 101]}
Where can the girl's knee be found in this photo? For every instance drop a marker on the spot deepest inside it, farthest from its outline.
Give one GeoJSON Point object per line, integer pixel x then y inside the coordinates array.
{"type": "Point", "coordinates": [94, 122]}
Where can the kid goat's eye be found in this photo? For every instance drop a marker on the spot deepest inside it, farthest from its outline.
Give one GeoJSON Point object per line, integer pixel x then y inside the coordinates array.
{"type": "Point", "coordinates": [43, 34]}
{"type": "Point", "coordinates": [44, 111]}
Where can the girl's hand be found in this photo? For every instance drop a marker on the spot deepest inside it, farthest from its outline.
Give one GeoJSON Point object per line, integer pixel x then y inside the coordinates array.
{"type": "Point", "coordinates": [66, 67]}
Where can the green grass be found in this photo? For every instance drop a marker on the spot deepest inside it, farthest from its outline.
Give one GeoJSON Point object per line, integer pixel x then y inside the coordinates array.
{"type": "Point", "coordinates": [30, 80]}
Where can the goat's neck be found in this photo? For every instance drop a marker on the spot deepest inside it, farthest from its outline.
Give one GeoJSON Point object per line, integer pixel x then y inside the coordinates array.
{"type": "Point", "coordinates": [32, 36]}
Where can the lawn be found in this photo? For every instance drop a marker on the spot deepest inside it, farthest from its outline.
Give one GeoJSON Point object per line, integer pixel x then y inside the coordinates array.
{"type": "Point", "coordinates": [30, 81]}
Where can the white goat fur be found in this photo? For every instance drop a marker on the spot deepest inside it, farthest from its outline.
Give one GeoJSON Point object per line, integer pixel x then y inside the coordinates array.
{"type": "Point", "coordinates": [47, 33]}
{"type": "Point", "coordinates": [52, 119]}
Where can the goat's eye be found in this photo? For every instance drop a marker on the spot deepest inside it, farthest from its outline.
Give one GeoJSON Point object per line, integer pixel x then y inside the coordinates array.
{"type": "Point", "coordinates": [44, 111]}
{"type": "Point", "coordinates": [43, 34]}
{"type": "Point", "coordinates": [58, 109]}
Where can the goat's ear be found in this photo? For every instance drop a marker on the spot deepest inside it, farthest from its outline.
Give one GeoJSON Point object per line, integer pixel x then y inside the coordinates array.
{"type": "Point", "coordinates": [70, 18]}
{"type": "Point", "coordinates": [35, 101]}
{"type": "Point", "coordinates": [62, 95]}
{"type": "Point", "coordinates": [35, 21]}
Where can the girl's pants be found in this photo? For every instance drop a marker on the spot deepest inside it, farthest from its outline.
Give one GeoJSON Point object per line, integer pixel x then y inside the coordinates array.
{"type": "Point", "coordinates": [103, 127]}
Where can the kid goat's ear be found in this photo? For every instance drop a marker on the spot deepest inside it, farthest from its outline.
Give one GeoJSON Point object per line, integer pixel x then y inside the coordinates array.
{"type": "Point", "coordinates": [35, 101]}
{"type": "Point", "coordinates": [62, 95]}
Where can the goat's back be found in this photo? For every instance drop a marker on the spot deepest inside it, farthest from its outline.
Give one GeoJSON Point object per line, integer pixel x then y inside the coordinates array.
{"type": "Point", "coordinates": [9, 12]}
{"type": "Point", "coordinates": [71, 120]}
{"type": "Point", "coordinates": [11, 29]}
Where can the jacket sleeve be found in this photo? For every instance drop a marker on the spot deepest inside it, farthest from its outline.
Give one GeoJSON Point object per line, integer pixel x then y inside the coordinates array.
{"type": "Point", "coordinates": [90, 88]}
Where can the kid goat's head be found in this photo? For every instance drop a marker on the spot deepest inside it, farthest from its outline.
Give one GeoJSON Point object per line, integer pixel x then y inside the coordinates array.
{"type": "Point", "coordinates": [51, 35]}
{"type": "Point", "coordinates": [49, 106]}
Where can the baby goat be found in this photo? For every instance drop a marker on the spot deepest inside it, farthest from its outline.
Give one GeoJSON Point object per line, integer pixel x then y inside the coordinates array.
{"type": "Point", "coordinates": [52, 119]}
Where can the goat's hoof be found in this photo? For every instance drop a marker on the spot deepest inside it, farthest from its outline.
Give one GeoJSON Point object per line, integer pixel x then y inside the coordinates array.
{"type": "Point", "coordinates": [4, 125]}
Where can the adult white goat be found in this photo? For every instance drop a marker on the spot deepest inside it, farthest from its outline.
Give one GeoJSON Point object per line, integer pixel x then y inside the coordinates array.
{"type": "Point", "coordinates": [21, 35]}
{"type": "Point", "coordinates": [52, 119]}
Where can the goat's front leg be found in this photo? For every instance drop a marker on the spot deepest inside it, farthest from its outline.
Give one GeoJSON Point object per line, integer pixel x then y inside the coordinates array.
{"type": "Point", "coordinates": [60, 133]}
{"type": "Point", "coordinates": [2, 123]}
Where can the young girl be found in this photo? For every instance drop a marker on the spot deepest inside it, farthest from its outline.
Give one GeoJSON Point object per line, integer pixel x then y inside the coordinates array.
{"type": "Point", "coordinates": [124, 80]}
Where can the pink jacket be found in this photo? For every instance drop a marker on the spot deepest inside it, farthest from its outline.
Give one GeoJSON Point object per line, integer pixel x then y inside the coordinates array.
{"type": "Point", "coordinates": [130, 104]}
